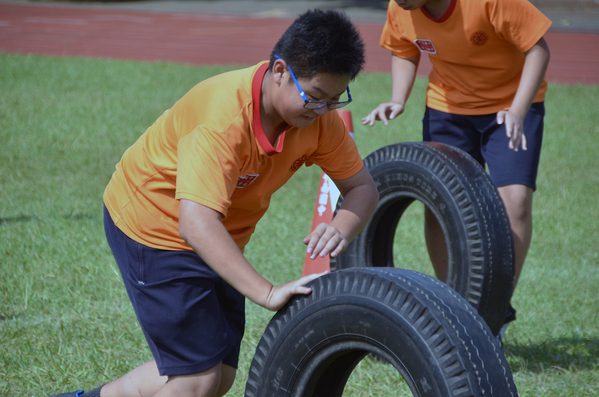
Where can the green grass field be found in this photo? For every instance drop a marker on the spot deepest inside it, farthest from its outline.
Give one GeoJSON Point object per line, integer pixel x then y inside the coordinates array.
{"type": "Point", "coordinates": [65, 320]}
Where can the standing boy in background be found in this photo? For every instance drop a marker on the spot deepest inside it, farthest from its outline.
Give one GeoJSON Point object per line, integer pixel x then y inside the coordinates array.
{"type": "Point", "coordinates": [485, 95]}
{"type": "Point", "coordinates": [186, 197]}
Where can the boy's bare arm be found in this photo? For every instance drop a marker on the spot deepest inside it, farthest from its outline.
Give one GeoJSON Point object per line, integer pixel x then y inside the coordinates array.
{"type": "Point", "coordinates": [533, 73]}
{"type": "Point", "coordinates": [360, 199]}
{"type": "Point", "coordinates": [403, 73]}
{"type": "Point", "coordinates": [202, 229]}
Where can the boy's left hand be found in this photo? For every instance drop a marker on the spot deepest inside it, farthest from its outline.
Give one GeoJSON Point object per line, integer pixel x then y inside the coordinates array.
{"type": "Point", "coordinates": [514, 129]}
{"type": "Point", "coordinates": [280, 295]}
{"type": "Point", "coordinates": [325, 239]}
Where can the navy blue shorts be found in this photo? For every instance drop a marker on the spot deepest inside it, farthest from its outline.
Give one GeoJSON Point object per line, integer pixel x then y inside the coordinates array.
{"type": "Point", "coordinates": [485, 140]}
{"type": "Point", "coordinates": [191, 318]}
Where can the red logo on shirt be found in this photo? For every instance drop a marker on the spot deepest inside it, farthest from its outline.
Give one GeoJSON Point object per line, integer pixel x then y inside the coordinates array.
{"type": "Point", "coordinates": [425, 46]}
{"type": "Point", "coordinates": [479, 38]}
{"type": "Point", "coordinates": [298, 163]}
{"type": "Point", "coordinates": [245, 181]}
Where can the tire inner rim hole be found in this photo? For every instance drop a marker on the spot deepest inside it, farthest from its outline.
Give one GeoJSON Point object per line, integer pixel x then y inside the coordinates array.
{"type": "Point", "coordinates": [403, 244]}
{"type": "Point", "coordinates": [335, 371]}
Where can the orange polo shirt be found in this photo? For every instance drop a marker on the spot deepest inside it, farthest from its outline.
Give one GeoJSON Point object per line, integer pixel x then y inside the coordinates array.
{"type": "Point", "coordinates": [210, 148]}
{"type": "Point", "coordinates": [476, 49]}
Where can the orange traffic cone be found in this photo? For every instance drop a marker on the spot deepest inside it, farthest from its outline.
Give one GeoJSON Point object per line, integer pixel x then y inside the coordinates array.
{"type": "Point", "coordinates": [326, 201]}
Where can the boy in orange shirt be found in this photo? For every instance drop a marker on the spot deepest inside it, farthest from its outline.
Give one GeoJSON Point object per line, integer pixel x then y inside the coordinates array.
{"type": "Point", "coordinates": [485, 95]}
{"type": "Point", "coordinates": [186, 197]}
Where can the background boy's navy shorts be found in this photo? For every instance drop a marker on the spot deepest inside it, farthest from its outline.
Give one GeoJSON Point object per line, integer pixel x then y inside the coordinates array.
{"type": "Point", "coordinates": [191, 318]}
{"type": "Point", "coordinates": [485, 140]}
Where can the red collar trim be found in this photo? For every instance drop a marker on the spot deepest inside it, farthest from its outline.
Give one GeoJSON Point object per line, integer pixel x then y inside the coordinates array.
{"type": "Point", "coordinates": [443, 17]}
{"type": "Point", "coordinates": [257, 123]}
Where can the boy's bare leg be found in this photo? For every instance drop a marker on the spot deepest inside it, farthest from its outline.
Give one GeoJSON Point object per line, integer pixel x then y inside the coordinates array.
{"type": "Point", "coordinates": [518, 204]}
{"type": "Point", "coordinates": [435, 244]}
{"type": "Point", "coordinates": [144, 381]}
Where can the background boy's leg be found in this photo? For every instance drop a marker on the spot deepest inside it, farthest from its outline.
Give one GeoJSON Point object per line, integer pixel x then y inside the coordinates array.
{"type": "Point", "coordinates": [435, 244]}
{"type": "Point", "coordinates": [518, 204]}
{"type": "Point", "coordinates": [461, 132]}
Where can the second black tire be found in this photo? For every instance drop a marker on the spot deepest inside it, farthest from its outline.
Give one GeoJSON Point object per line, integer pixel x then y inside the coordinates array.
{"type": "Point", "coordinates": [462, 196]}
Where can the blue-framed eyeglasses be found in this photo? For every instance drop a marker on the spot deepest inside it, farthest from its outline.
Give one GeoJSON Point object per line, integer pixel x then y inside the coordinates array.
{"type": "Point", "coordinates": [310, 104]}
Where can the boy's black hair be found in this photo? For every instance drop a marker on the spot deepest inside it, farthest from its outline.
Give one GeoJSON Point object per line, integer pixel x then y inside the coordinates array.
{"type": "Point", "coordinates": [320, 41]}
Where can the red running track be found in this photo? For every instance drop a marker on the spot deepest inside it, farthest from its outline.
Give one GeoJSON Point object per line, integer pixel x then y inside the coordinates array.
{"type": "Point", "coordinates": [204, 39]}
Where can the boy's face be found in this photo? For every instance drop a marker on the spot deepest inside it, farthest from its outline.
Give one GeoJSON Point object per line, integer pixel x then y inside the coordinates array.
{"type": "Point", "coordinates": [320, 87]}
{"type": "Point", "coordinates": [410, 5]}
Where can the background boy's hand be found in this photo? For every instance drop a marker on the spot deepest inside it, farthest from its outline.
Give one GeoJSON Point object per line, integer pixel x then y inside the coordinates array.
{"type": "Point", "coordinates": [384, 112]}
{"type": "Point", "coordinates": [279, 295]}
{"type": "Point", "coordinates": [514, 129]}
{"type": "Point", "coordinates": [325, 239]}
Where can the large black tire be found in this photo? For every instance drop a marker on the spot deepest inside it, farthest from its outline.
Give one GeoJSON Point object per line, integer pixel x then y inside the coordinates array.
{"type": "Point", "coordinates": [465, 201]}
{"type": "Point", "coordinates": [435, 340]}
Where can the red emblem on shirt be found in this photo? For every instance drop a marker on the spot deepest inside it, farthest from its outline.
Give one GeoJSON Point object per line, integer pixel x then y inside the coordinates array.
{"type": "Point", "coordinates": [479, 38]}
{"type": "Point", "coordinates": [425, 46]}
{"type": "Point", "coordinates": [245, 181]}
{"type": "Point", "coordinates": [298, 163]}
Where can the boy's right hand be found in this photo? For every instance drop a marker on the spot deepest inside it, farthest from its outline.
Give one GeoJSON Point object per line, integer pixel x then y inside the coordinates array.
{"type": "Point", "coordinates": [384, 112]}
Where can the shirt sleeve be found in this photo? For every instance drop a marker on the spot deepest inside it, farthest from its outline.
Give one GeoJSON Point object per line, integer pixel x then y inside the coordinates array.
{"type": "Point", "coordinates": [519, 22]}
{"type": "Point", "coordinates": [392, 37]}
{"type": "Point", "coordinates": [207, 169]}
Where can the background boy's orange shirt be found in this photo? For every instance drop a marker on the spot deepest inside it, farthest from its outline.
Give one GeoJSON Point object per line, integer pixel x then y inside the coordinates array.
{"type": "Point", "coordinates": [476, 49]}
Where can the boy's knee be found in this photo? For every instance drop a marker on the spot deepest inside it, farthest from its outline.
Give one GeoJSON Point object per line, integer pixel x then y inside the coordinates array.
{"type": "Point", "coordinates": [517, 200]}
{"type": "Point", "coordinates": [227, 379]}
{"type": "Point", "coordinates": [206, 383]}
